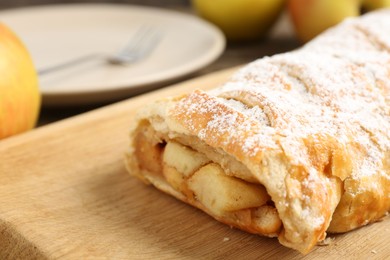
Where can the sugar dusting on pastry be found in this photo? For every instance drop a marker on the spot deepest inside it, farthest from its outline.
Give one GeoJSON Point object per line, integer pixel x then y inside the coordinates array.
{"type": "Point", "coordinates": [342, 99]}
{"type": "Point", "coordinates": [339, 95]}
{"type": "Point", "coordinates": [312, 126]}
{"type": "Point", "coordinates": [253, 112]}
{"type": "Point", "coordinates": [376, 27]}
{"type": "Point", "coordinates": [223, 123]}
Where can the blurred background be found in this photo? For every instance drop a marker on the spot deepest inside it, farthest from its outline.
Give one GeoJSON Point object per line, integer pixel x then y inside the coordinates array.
{"type": "Point", "coordinates": [235, 53]}
{"type": "Point", "coordinates": [251, 30]}
{"type": "Point", "coordinates": [281, 37]}
{"type": "Point", "coordinates": [162, 3]}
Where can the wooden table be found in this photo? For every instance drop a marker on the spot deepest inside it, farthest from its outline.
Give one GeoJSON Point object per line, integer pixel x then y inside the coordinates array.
{"type": "Point", "coordinates": [65, 193]}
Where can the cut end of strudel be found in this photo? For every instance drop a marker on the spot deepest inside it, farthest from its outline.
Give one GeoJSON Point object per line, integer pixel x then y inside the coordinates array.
{"type": "Point", "coordinates": [293, 146]}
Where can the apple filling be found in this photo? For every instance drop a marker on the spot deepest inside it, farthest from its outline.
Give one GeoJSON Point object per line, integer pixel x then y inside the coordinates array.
{"type": "Point", "coordinates": [204, 184]}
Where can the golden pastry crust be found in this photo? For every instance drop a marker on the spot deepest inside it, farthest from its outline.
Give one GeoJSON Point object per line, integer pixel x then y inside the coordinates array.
{"type": "Point", "coordinates": [311, 126]}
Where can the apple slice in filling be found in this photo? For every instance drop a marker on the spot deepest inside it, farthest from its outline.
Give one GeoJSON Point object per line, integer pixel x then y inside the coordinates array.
{"type": "Point", "coordinates": [221, 193]}
{"type": "Point", "coordinates": [204, 184]}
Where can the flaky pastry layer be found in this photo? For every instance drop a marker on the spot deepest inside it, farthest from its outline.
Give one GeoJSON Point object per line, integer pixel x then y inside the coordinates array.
{"type": "Point", "coordinates": [294, 145]}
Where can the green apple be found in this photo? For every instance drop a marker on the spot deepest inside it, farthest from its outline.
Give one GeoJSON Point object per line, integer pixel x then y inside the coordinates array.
{"type": "Point", "coordinates": [370, 5]}
{"type": "Point", "coordinates": [311, 17]}
{"type": "Point", "coordinates": [240, 20]}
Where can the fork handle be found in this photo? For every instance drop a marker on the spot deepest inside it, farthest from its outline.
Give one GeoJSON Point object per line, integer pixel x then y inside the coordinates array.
{"type": "Point", "coordinates": [68, 64]}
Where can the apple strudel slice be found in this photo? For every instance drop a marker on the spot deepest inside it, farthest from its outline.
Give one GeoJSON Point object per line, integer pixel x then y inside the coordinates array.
{"type": "Point", "coordinates": [292, 146]}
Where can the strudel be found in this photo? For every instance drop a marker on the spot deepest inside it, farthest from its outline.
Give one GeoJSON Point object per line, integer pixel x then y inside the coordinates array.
{"type": "Point", "coordinates": [293, 146]}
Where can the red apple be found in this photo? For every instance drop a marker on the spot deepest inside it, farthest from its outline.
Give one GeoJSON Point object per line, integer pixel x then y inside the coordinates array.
{"type": "Point", "coordinates": [19, 93]}
{"type": "Point", "coordinates": [311, 17]}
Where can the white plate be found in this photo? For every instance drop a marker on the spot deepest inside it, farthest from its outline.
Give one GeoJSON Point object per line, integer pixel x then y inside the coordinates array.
{"type": "Point", "coordinates": [58, 33]}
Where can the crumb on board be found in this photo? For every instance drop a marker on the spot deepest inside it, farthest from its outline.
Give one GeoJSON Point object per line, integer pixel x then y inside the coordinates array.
{"type": "Point", "coordinates": [225, 239]}
{"type": "Point", "coordinates": [373, 251]}
{"type": "Point", "coordinates": [327, 241]}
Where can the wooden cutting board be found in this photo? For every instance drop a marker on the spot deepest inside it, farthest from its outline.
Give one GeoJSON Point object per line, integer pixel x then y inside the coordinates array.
{"type": "Point", "coordinates": [64, 193]}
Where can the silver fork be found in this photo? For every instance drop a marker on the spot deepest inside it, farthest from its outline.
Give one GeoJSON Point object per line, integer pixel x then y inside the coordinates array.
{"type": "Point", "coordinates": [139, 47]}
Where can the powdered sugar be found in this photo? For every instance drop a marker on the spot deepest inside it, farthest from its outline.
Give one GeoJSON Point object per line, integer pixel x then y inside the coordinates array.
{"type": "Point", "coordinates": [335, 87]}
{"type": "Point", "coordinates": [254, 112]}
{"type": "Point", "coordinates": [219, 121]}
{"type": "Point", "coordinates": [377, 27]}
